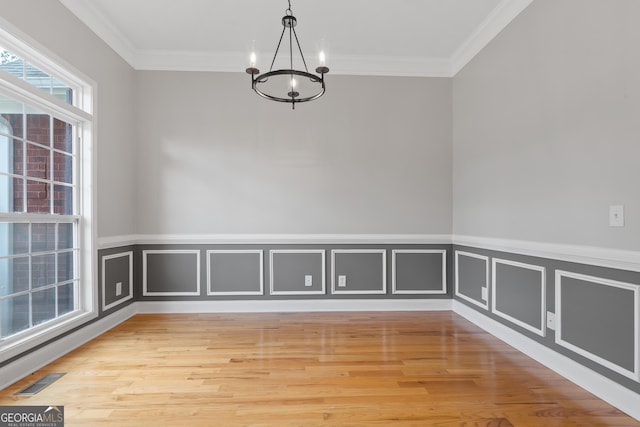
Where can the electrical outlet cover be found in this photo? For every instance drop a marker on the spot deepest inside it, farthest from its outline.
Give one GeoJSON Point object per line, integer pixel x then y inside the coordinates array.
{"type": "Point", "coordinates": [342, 281]}
{"type": "Point", "coordinates": [551, 320]}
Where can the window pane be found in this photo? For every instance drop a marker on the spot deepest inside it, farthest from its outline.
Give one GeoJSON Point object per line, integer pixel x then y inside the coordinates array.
{"type": "Point", "coordinates": [12, 112]}
{"type": "Point", "coordinates": [14, 238]}
{"type": "Point", "coordinates": [61, 91]}
{"type": "Point", "coordinates": [63, 200]}
{"type": "Point", "coordinates": [15, 315]}
{"type": "Point", "coordinates": [6, 193]}
{"type": "Point", "coordinates": [11, 63]}
{"type": "Point", "coordinates": [14, 275]}
{"type": "Point", "coordinates": [62, 167]}
{"type": "Point", "coordinates": [10, 155]}
{"type": "Point", "coordinates": [38, 161]}
{"type": "Point", "coordinates": [38, 196]}
{"type": "Point", "coordinates": [39, 128]}
{"type": "Point", "coordinates": [43, 237]}
{"type": "Point", "coordinates": [43, 270]}
{"type": "Point", "coordinates": [65, 235]}
{"type": "Point", "coordinates": [66, 298]}
{"type": "Point", "coordinates": [65, 267]}
{"type": "Point", "coordinates": [36, 77]}
{"type": "Point", "coordinates": [16, 189]}
{"type": "Point", "coordinates": [43, 304]}
{"type": "Point", "coordinates": [62, 136]}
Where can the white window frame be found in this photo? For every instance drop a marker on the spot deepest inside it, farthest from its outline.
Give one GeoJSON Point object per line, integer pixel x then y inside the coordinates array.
{"type": "Point", "coordinates": [81, 115]}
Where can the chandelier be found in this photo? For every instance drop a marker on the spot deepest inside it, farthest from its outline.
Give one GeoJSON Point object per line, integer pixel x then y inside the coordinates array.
{"type": "Point", "coordinates": [288, 84]}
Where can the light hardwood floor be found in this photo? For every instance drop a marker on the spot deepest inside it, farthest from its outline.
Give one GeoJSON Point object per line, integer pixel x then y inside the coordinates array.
{"type": "Point", "coordinates": [316, 369]}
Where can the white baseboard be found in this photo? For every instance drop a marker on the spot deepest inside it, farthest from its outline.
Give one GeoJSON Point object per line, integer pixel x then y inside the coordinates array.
{"type": "Point", "coordinates": [284, 306]}
{"type": "Point", "coordinates": [604, 388]}
{"type": "Point", "coordinates": [41, 357]}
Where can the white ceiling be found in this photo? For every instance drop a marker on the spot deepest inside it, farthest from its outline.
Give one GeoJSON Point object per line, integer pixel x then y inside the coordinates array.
{"type": "Point", "coordinates": [365, 37]}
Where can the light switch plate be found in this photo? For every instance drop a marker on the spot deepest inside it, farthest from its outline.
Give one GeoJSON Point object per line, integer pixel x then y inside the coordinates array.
{"type": "Point", "coordinates": [616, 216]}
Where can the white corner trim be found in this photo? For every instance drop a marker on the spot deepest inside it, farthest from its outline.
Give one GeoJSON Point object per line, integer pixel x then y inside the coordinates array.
{"type": "Point", "coordinates": [95, 19]}
{"type": "Point", "coordinates": [601, 386]}
{"type": "Point", "coordinates": [505, 12]}
{"type": "Point", "coordinates": [41, 357]}
{"type": "Point", "coordinates": [598, 256]}
{"type": "Point", "coordinates": [293, 306]}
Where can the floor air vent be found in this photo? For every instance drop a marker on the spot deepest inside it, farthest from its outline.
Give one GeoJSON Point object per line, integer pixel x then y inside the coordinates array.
{"type": "Point", "coordinates": [39, 385]}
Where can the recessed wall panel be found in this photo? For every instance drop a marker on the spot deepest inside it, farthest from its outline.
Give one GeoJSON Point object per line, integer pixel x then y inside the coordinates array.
{"type": "Point", "coordinates": [117, 279]}
{"type": "Point", "coordinates": [171, 272]}
{"type": "Point", "coordinates": [359, 271]}
{"type": "Point", "coordinates": [598, 318]}
{"type": "Point", "coordinates": [518, 294]}
{"type": "Point", "coordinates": [419, 271]}
{"type": "Point", "coordinates": [471, 277]}
{"type": "Point", "coordinates": [297, 272]}
{"type": "Point", "coordinates": [234, 272]}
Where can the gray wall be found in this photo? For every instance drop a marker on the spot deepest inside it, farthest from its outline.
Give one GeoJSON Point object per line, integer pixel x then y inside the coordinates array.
{"type": "Point", "coordinates": [53, 26]}
{"type": "Point", "coordinates": [546, 127]}
{"type": "Point", "coordinates": [372, 156]}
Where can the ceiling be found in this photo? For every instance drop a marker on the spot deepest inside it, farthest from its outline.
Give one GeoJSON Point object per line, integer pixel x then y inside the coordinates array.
{"type": "Point", "coordinates": [363, 37]}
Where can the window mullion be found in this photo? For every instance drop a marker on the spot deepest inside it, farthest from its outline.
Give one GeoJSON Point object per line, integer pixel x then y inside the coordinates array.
{"type": "Point", "coordinates": [24, 159]}
{"type": "Point", "coordinates": [51, 167]}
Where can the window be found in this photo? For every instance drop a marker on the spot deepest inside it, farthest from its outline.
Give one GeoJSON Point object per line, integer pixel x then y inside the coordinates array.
{"type": "Point", "coordinates": [46, 244]}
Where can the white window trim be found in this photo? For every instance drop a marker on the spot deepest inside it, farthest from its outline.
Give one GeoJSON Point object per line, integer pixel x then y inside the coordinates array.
{"type": "Point", "coordinates": [85, 96]}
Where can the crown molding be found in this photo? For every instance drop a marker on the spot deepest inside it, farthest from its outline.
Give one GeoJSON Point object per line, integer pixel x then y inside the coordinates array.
{"type": "Point", "coordinates": [97, 22]}
{"type": "Point", "coordinates": [167, 60]}
{"type": "Point", "coordinates": [162, 60]}
{"type": "Point", "coordinates": [496, 21]}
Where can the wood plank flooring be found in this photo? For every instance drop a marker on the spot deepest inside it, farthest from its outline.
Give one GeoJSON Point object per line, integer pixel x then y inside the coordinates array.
{"type": "Point", "coordinates": [316, 369]}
